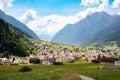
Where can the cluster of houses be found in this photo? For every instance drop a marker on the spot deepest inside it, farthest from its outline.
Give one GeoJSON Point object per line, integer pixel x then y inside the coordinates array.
{"type": "Point", "coordinates": [14, 60]}
{"type": "Point", "coordinates": [59, 57]}
{"type": "Point", "coordinates": [48, 59]}
{"type": "Point", "coordinates": [47, 55]}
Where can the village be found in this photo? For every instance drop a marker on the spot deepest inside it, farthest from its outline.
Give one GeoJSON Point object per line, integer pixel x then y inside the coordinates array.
{"type": "Point", "coordinates": [49, 53]}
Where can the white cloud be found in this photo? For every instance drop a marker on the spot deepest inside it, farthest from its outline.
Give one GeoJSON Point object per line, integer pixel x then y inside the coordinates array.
{"type": "Point", "coordinates": [4, 4]}
{"type": "Point", "coordinates": [90, 2]}
{"type": "Point", "coordinates": [52, 23]}
{"type": "Point", "coordinates": [28, 16]}
{"type": "Point", "coordinates": [104, 5]}
{"type": "Point", "coordinates": [86, 12]}
{"type": "Point", "coordinates": [116, 4]}
{"type": "Point", "coordinates": [49, 25]}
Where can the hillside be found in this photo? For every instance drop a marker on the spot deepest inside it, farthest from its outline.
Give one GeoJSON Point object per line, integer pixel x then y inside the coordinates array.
{"type": "Point", "coordinates": [109, 35]}
{"type": "Point", "coordinates": [17, 24]}
{"type": "Point", "coordinates": [13, 41]}
{"type": "Point", "coordinates": [91, 30]}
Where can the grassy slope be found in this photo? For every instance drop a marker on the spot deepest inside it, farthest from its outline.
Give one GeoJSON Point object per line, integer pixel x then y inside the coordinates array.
{"type": "Point", "coordinates": [13, 41]}
{"type": "Point", "coordinates": [64, 72]}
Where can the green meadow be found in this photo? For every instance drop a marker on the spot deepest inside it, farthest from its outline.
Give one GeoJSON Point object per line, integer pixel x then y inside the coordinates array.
{"type": "Point", "coordinates": [69, 71]}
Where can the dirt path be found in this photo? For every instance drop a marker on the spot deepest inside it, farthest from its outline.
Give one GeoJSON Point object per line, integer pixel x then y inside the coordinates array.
{"type": "Point", "coordinates": [86, 78]}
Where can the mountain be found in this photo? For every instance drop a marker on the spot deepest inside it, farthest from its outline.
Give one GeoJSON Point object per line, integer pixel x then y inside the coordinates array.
{"type": "Point", "coordinates": [109, 35]}
{"type": "Point", "coordinates": [17, 24]}
{"type": "Point", "coordinates": [13, 41]}
{"type": "Point", "coordinates": [94, 28]}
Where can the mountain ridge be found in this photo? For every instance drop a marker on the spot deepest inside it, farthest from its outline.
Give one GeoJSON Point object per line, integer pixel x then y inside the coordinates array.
{"type": "Point", "coordinates": [17, 24]}
{"type": "Point", "coordinates": [83, 31]}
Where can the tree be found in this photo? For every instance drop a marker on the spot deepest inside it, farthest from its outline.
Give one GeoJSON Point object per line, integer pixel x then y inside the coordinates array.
{"type": "Point", "coordinates": [99, 57]}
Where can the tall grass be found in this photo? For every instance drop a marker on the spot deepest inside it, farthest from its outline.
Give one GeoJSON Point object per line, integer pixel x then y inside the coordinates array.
{"type": "Point", "coordinates": [70, 71]}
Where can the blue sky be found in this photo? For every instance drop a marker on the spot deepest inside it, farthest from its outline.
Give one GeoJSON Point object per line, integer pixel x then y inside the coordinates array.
{"type": "Point", "coordinates": [47, 17]}
{"type": "Point", "coordinates": [47, 7]}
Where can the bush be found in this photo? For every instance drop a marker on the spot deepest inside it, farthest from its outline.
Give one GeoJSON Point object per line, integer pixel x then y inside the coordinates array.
{"type": "Point", "coordinates": [25, 69]}
{"type": "Point", "coordinates": [34, 60]}
{"type": "Point", "coordinates": [72, 61]}
{"type": "Point", "coordinates": [96, 61]}
{"type": "Point", "coordinates": [57, 63]}
{"type": "Point", "coordinates": [109, 60]}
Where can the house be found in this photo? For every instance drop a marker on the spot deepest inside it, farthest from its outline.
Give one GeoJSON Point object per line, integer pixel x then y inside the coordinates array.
{"type": "Point", "coordinates": [117, 62]}
{"type": "Point", "coordinates": [17, 61]}
{"type": "Point", "coordinates": [5, 61]}
{"type": "Point", "coordinates": [46, 62]}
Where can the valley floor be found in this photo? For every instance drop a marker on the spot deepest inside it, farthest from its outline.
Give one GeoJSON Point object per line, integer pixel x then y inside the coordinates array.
{"type": "Point", "coordinates": [69, 71]}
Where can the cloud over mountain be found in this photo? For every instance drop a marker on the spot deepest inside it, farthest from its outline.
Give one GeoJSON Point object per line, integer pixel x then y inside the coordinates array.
{"type": "Point", "coordinates": [44, 25]}
{"type": "Point", "coordinates": [28, 16]}
{"type": "Point", "coordinates": [51, 24]}
{"type": "Point", "coordinates": [89, 2]}
{"type": "Point", "coordinates": [4, 4]}
{"type": "Point", "coordinates": [116, 4]}
{"type": "Point", "coordinates": [104, 5]}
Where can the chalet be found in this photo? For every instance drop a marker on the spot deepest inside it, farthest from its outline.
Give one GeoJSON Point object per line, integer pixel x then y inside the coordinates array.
{"type": "Point", "coordinates": [117, 62]}
{"type": "Point", "coordinates": [46, 62]}
{"type": "Point", "coordinates": [4, 61]}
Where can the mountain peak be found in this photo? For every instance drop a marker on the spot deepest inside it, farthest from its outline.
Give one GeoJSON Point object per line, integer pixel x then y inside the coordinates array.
{"type": "Point", "coordinates": [98, 17]}
{"type": "Point", "coordinates": [99, 14]}
{"type": "Point", "coordinates": [82, 31]}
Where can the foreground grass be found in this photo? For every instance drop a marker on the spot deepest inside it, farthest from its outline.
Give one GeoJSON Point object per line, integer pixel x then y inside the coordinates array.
{"type": "Point", "coordinates": [69, 71]}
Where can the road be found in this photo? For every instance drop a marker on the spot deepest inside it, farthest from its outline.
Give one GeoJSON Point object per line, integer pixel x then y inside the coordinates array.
{"type": "Point", "coordinates": [86, 78]}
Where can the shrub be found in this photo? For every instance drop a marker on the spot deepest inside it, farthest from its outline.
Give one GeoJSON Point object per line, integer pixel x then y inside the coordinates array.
{"type": "Point", "coordinates": [25, 69]}
{"type": "Point", "coordinates": [72, 61]}
{"type": "Point", "coordinates": [34, 60]}
{"type": "Point", "coordinates": [109, 60]}
{"type": "Point", "coordinates": [96, 61]}
{"type": "Point", "coordinates": [57, 63]}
